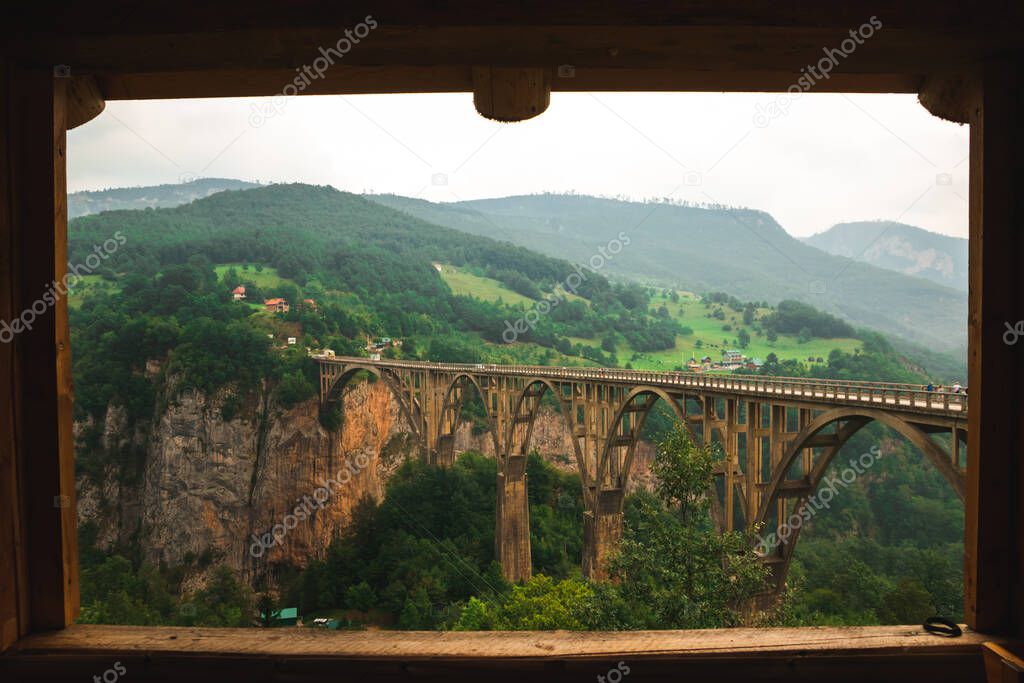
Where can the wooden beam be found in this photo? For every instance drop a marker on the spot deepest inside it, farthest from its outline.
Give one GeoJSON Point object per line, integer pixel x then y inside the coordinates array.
{"type": "Point", "coordinates": [13, 584]}
{"type": "Point", "coordinates": [994, 545]}
{"type": "Point", "coordinates": [903, 653]}
{"type": "Point", "coordinates": [84, 99]}
{"type": "Point", "coordinates": [38, 345]}
{"type": "Point", "coordinates": [695, 49]}
{"type": "Point", "coordinates": [1002, 665]}
{"type": "Point", "coordinates": [358, 80]}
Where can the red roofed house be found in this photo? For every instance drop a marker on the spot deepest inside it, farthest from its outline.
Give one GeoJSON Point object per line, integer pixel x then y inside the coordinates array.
{"type": "Point", "coordinates": [276, 305]}
{"type": "Point", "coordinates": [310, 304]}
{"type": "Point", "coordinates": [238, 293]}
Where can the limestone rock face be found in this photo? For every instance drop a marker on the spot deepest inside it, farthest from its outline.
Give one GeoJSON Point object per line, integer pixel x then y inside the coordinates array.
{"type": "Point", "coordinates": [269, 487]}
{"type": "Point", "coordinates": [209, 484]}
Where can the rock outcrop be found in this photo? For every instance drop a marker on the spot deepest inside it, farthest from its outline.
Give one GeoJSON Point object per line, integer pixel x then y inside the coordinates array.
{"type": "Point", "coordinates": [270, 487]}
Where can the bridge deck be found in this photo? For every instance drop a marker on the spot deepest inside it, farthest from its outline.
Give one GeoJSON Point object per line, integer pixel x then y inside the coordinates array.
{"type": "Point", "coordinates": [911, 398]}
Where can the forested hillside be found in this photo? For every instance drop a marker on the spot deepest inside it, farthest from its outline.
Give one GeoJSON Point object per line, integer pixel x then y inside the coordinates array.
{"type": "Point", "coordinates": [712, 248]}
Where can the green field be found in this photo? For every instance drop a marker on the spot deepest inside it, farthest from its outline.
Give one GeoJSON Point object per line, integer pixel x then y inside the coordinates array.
{"type": "Point", "coordinates": [466, 284]}
{"type": "Point", "coordinates": [264, 279]}
{"type": "Point", "coordinates": [689, 311]}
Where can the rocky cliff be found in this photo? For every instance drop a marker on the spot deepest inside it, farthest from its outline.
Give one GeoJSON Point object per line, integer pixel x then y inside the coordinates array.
{"type": "Point", "coordinates": [268, 488]}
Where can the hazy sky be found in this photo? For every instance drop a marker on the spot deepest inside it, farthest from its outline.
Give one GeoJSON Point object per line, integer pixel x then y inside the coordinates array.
{"type": "Point", "coordinates": [828, 158]}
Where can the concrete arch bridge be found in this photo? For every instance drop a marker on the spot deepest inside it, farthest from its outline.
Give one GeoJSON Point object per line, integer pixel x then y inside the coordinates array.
{"type": "Point", "coordinates": [778, 434]}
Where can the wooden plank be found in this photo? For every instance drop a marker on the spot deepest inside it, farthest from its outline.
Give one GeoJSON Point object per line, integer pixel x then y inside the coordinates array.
{"type": "Point", "coordinates": [99, 16]}
{"type": "Point", "coordinates": [1002, 665]}
{"type": "Point", "coordinates": [297, 642]}
{"type": "Point", "coordinates": [994, 539]}
{"type": "Point", "coordinates": [717, 51]}
{"type": "Point", "coordinates": [42, 376]}
{"type": "Point", "coordinates": [13, 595]}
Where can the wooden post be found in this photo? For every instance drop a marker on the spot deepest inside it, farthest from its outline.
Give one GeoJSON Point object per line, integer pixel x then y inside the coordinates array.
{"type": "Point", "coordinates": [39, 581]}
{"type": "Point", "coordinates": [511, 93]}
{"type": "Point", "coordinates": [994, 546]}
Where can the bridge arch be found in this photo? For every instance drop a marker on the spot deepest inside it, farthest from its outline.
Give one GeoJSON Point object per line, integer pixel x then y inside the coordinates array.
{"type": "Point", "coordinates": [847, 421]}
{"type": "Point", "coordinates": [525, 409]}
{"type": "Point", "coordinates": [451, 408]}
{"type": "Point", "coordinates": [625, 433]}
{"type": "Point", "coordinates": [410, 410]}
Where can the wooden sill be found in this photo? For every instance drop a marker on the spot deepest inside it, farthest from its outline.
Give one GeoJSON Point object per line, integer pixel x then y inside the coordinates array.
{"type": "Point", "coordinates": [874, 653]}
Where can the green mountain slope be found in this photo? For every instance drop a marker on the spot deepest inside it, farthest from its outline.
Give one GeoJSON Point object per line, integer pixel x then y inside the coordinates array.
{"type": "Point", "coordinates": [900, 247]}
{"type": "Point", "coordinates": [740, 251]}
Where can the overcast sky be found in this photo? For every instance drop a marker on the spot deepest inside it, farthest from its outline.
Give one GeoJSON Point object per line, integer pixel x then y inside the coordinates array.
{"type": "Point", "coordinates": [828, 158]}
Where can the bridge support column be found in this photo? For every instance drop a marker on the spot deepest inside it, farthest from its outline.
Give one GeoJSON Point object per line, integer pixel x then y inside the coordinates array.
{"type": "Point", "coordinates": [512, 521]}
{"type": "Point", "coordinates": [602, 533]}
{"type": "Point", "coordinates": [444, 454]}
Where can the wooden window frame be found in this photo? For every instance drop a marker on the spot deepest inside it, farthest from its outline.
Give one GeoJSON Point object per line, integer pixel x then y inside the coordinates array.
{"type": "Point", "coordinates": [38, 550]}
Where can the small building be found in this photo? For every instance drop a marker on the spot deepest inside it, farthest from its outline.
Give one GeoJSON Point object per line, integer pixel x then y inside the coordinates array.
{"type": "Point", "coordinates": [238, 293]}
{"type": "Point", "coordinates": [374, 356]}
{"type": "Point", "coordinates": [732, 357]}
{"type": "Point", "coordinates": [693, 365]}
{"type": "Point", "coordinates": [291, 341]}
{"type": "Point", "coordinates": [276, 305]}
{"type": "Point", "coordinates": [288, 616]}
{"type": "Point", "coordinates": [309, 303]}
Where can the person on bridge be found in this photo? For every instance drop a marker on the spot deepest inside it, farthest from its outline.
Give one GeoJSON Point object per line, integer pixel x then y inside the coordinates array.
{"type": "Point", "coordinates": [956, 387]}
{"type": "Point", "coordinates": [930, 387]}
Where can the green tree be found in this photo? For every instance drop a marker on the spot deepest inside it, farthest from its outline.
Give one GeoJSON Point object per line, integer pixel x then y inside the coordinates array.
{"type": "Point", "coordinates": [674, 569]}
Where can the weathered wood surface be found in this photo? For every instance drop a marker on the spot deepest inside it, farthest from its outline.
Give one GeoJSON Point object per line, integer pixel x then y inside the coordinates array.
{"type": "Point", "coordinates": [39, 555]}
{"type": "Point", "coordinates": [838, 654]}
{"type": "Point", "coordinates": [994, 509]}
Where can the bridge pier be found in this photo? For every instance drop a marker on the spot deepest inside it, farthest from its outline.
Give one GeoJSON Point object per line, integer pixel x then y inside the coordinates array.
{"type": "Point", "coordinates": [602, 532]}
{"type": "Point", "coordinates": [444, 454]}
{"type": "Point", "coordinates": [512, 521]}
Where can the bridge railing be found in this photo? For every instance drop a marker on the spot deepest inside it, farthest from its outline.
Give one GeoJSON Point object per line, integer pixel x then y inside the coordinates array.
{"type": "Point", "coordinates": [891, 394]}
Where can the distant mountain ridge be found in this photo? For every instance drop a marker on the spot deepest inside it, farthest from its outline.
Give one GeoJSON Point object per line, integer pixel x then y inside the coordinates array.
{"type": "Point", "coordinates": [740, 251]}
{"type": "Point", "coordinates": [153, 196]}
{"type": "Point", "coordinates": [896, 246]}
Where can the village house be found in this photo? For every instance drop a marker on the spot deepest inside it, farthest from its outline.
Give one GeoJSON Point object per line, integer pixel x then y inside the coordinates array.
{"type": "Point", "coordinates": [309, 303]}
{"type": "Point", "coordinates": [238, 293]}
{"type": "Point", "coordinates": [732, 359]}
{"type": "Point", "coordinates": [276, 305]}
